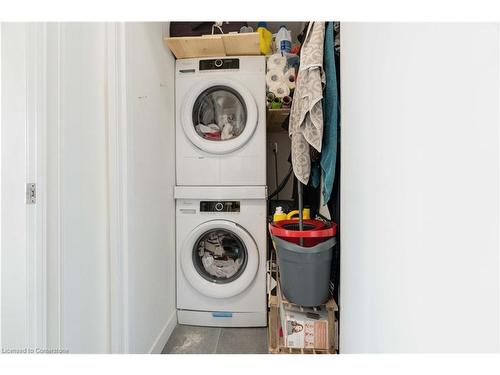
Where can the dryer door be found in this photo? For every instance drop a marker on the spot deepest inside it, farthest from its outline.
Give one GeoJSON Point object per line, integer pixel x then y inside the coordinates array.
{"type": "Point", "coordinates": [219, 116]}
{"type": "Point", "coordinates": [219, 259]}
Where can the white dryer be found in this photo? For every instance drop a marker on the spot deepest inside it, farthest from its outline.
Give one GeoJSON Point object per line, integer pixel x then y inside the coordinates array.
{"type": "Point", "coordinates": [221, 256]}
{"type": "Point", "coordinates": [221, 121]}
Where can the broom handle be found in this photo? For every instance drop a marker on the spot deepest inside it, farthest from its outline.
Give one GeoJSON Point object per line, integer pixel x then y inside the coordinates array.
{"type": "Point", "coordinates": [301, 208]}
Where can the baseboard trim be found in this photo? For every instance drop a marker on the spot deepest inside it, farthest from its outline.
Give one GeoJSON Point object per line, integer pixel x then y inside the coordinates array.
{"type": "Point", "coordinates": [164, 335]}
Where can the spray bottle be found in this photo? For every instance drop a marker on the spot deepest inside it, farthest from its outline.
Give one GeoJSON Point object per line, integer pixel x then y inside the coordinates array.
{"type": "Point", "coordinates": [284, 40]}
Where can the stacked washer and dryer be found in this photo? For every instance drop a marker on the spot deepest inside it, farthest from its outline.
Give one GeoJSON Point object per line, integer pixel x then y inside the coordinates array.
{"type": "Point", "coordinates": [221, 191]}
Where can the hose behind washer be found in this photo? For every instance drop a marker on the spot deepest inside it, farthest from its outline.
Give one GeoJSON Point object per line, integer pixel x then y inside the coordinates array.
{"type": "Point", "coordinates": [282, 184]}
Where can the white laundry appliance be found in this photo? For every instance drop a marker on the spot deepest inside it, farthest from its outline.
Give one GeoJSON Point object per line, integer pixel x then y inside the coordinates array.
{"type": "Point", "coordinates": [221, 121]}
{"type": "Point", "coordinates": [221, 256]}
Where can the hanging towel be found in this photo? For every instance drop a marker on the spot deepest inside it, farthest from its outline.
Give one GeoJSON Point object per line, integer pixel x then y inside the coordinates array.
{"type": "Point", "coordinates": [330, 115]}
{"type": "Point", "coordinates": [306, 115]}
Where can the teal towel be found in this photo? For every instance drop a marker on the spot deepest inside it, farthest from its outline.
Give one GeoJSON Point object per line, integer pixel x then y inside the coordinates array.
{"type": "Point", "coordinates": [330, 115]}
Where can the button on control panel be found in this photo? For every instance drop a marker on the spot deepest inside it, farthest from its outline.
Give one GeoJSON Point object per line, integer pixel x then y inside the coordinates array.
{"type": "Point", "coordinates": [219, 206]}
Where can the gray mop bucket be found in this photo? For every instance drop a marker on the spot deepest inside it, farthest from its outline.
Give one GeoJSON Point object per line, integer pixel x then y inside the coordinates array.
{"type": "Point", "coordinates": [305, 271]}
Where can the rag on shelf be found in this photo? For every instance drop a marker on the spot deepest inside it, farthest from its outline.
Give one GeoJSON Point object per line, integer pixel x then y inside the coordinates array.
{"type": "Point", "coordinates": [306, 115]}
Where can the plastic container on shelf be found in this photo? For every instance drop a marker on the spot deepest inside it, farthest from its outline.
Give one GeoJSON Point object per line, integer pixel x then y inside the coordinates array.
{"type": "Point", "coordinates": [283, 40]}
{"type": "Point", "coordinates": [265, 37]}
{"type": "Point", "coordinates": [279, 214]}
{"type": "Point", "coordinates": [306, 214]}
{"type": "Point", "coordinates": [276, 103]}
{"type": "Point", "coordinates": [314, 231]}
{"type": "Point", "coordinates": [287, 103]}
{"type": "Point", "coordinates": [304, 272]}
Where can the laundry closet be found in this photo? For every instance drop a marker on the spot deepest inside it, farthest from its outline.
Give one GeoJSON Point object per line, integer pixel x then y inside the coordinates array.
{"type": "Point", "coordinates": [232, 111]}
{"type": "Point", "coordinates": [129, 165]}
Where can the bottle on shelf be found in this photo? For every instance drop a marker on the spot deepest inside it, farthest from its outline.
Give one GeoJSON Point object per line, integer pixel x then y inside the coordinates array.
{"type": "Point", "coordinates": [283, 40]}
{"type": "Point", "coordinates": [266, 38]}
{"type": "Point", "coordinates": [279, 214]}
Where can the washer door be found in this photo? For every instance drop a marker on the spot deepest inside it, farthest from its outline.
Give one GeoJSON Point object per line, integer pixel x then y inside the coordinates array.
{"type": "Point", "coordinates": [219, 116]}
{"type": "Point", "coordinates": [219, 259]}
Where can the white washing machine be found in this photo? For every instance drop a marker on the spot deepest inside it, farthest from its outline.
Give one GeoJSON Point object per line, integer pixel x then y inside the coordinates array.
{"type": "Point", "coordinates": [221, 121]}
{"type": "Point", "coordinates": [221, 256]}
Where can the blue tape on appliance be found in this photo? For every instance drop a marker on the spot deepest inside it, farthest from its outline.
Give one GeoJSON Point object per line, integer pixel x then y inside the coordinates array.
{"type": "Point", "coordinates": [219, 314]}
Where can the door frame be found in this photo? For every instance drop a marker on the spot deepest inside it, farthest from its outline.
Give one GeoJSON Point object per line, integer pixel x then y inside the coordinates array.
{"type": "Point", "coordinates": [117, 187]}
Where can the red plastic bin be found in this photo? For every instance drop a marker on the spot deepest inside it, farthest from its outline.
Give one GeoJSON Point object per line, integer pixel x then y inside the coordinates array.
{"type": "Point", "coordinates": [315, 231]}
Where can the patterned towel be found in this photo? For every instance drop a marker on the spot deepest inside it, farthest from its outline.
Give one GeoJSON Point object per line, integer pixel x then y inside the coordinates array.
{"type": "Point", "coordinates": [306, 116]}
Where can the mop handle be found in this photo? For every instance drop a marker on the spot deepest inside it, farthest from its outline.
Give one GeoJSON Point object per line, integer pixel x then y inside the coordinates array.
{"type": "Point", "coordinates": [301, 208]}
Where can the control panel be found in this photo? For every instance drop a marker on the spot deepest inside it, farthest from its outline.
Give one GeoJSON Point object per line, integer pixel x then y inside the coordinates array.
{"type": "Point", "coordinates": [219, 206]}
{"type": "Point", "coordinates": [215, 64]}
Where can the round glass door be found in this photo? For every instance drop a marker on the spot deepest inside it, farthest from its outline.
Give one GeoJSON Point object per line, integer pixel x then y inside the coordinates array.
{"type": "Point", "coordinates": [220, 256]}
{"type": "Point", "coordinates": [219, 114]}
{"type": "Point", "coordinates": [219, 259]}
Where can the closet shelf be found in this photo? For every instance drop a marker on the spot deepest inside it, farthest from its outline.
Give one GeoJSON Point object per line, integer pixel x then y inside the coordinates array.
{"type": "Point", "coordinates": [275, 118]}
{"type": "Point", "coordinates": [232, 44]}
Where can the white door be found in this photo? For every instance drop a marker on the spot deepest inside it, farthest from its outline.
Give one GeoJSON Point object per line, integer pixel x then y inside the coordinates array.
{"type": "Point", "coordinates": [420, 115]}
{"type": "Point", "coordinates": [219, 116]}
{"type": "Point", "coordinates": [22, 286]}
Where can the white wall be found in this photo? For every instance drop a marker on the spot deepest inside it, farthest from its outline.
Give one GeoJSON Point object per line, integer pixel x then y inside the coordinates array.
{"type": "Point", "coordinates": [420, 115]}
{"type": "Point", "coordinates": [151, 178]}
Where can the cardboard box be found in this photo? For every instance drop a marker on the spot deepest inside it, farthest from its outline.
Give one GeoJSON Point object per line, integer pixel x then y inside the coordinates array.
{"type": "Point", "coordinates": [304, 329]}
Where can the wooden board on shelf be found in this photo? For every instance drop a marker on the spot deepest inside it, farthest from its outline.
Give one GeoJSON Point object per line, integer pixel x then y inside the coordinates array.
{"type": "Point", "coordinates": [241, 44]}
{"type": "Point", "coordinates": [196, 46]}
{"type": "Point", "coordinates": [273, 326]}
{"type": "Point", "coordinates": [219, 45]}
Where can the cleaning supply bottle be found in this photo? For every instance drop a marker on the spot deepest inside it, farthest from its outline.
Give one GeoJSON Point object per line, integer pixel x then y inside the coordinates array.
{"type": "Point", "coordinates": [306, 214]}
{"type": "Point", "coordinates": [283, 40]}
{"type": "Point", "coordinates": [279, 214]}
{"type": "Point", "coordinates": [266, 38]}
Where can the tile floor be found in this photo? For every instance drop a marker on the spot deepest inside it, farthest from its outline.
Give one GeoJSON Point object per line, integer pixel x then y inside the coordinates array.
{"type": "Point", "coordinates": [214, 340]}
